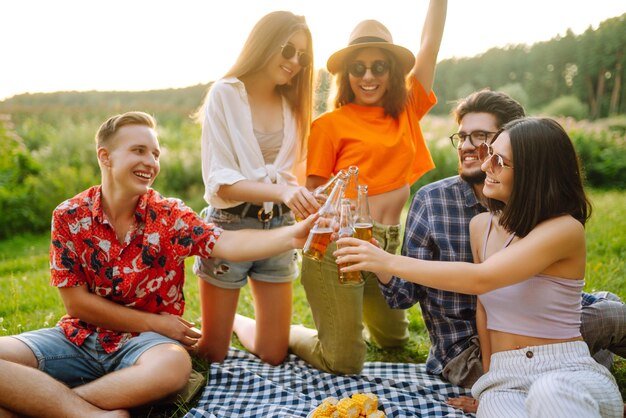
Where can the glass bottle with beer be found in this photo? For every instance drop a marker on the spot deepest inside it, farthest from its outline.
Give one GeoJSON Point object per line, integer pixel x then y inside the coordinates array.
{"type": "Point", "coordinates": [363, 222]}
{"type": "Point", "coordinates": [346, 229]}
{"type": "Point", "coordinates": [321, 193]}
{"type": "Point", "coordinates": [320, 235]}
{"type": "Point", "coordinates": [353, 183]}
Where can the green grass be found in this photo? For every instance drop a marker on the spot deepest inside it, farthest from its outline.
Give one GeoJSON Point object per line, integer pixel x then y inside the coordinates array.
{"type": "Point", "coordinates": [27, 301]}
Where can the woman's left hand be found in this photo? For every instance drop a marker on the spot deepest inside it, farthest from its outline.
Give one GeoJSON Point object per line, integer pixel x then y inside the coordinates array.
{"type": "Point", "coordinates": [301, 201]}
{"type": "Point", "coordinates": [466, 403]}
{"type": "Point", "coordinates": [362, 255]}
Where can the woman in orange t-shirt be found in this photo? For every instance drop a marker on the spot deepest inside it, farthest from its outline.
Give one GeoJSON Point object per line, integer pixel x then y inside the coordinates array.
{"type": "Point", "coordinates": [375, 126]}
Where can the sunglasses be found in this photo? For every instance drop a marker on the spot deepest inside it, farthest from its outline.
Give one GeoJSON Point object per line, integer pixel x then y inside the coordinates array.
{"type": "Point", "coordinates": [288, 51]}
{"type": "Point", "coordinates": [475, 138]}
{"type": "Point", "coordinates": [497, 163]}
{"type": "Point", "coordinates": [378, 68]}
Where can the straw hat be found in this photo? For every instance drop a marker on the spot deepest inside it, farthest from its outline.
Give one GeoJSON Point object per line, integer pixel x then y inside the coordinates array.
{"type": "Point", "coordinates": [371, 33]}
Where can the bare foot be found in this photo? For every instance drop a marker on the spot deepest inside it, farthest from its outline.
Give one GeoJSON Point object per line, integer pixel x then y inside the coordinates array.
{"type": "Point", "coordinates": [466, 403]}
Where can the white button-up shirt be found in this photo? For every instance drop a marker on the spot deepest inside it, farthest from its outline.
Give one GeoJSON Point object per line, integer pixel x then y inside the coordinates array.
{"type": "Point", "coordinates": [230, 150]}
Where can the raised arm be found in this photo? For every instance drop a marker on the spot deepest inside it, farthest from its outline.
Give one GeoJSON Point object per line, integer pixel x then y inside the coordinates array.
{"type": "Point", "coordinates": [432, 33]}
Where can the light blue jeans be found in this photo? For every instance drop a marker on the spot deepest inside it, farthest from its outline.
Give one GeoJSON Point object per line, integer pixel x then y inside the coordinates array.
{"type": "Point", "coordinates": [339, 311]}
{"type": "Point", "coordinates": [74, 365]}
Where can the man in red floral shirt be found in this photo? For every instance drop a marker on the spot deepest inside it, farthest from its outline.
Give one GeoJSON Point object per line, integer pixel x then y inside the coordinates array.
{"type": "Point", "coordinates": [117, 256]}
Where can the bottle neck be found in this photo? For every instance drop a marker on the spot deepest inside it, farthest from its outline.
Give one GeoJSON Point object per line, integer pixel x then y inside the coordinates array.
{"type": "Point", "coordinates": [362, 208]}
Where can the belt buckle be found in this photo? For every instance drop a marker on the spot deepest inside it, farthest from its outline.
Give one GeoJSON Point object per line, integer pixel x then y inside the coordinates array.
{"type": "Point", "coordinates": [265, 217]}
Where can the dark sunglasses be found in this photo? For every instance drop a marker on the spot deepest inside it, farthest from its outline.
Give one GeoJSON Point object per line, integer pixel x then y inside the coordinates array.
{"type": "Point", "coordinates": [288, 51]}
{"type": "Point", "coordinates": [378, 68]}
{"type": "Point", "coordinates": [497, 163]}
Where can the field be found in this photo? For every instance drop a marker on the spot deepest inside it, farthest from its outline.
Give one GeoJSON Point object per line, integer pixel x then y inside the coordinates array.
{"type": "Point", "coordinates": [28, 302]}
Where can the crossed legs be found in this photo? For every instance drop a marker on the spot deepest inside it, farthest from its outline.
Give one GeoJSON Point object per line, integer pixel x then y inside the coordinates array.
{"type": "Point", "coordinates": [158, 372]}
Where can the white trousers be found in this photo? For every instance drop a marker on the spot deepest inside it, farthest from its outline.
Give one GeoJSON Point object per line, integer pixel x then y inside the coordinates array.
{"type": "Point", "coordinates": [553, 380]}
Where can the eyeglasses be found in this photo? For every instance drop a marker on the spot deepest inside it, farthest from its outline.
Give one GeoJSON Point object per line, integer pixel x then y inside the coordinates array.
{"type": "Point", "coordinates": [485, 153]}
{"type": "Point", "coordinates": [378, 68]}
{"type": "Point", "coordinates": [288, 51]}
{"type": "Point", "coordinates": [476, 138]}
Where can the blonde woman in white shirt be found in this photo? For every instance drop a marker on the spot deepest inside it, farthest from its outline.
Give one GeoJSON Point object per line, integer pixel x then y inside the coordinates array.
{"type": "Point", "coordinates": [255, 121]}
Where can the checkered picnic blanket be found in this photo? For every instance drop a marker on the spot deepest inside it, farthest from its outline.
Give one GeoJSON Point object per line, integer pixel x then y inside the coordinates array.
{"type": "Point", "coordinates": [243, 386]}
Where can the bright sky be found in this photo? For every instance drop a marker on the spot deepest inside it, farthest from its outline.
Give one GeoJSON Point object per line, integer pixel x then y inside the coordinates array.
{"type": "Point", "coordinates": [152, 44]}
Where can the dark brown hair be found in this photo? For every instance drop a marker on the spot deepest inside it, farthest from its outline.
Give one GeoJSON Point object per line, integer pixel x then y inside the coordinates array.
{"type": "Point", "coordinates": [395, 97]}
{"type": "Point", "coordinates": [547, 177]}
{"type": "Point", "coordinates": [502, 106]}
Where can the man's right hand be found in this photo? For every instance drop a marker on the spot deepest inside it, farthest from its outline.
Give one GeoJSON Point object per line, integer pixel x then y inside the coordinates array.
{"type": "Point", "coordinates": [178, 329]}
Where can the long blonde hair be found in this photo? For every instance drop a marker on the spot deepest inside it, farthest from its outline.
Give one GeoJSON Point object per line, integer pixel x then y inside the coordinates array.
{"type": "Point", "coordinates": [267, 36]}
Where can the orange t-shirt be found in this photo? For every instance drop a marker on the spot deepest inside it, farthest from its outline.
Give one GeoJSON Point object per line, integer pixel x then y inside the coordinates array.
{"type": "Point", "coordinates": [389, 152]}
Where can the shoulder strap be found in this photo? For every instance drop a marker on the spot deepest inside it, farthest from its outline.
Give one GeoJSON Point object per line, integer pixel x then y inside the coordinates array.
{"type": "Point", "coordinates": [487, 236]}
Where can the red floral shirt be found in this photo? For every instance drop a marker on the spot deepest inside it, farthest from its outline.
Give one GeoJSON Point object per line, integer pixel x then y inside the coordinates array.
{"type": "Point", "coordinates": [146, 272]}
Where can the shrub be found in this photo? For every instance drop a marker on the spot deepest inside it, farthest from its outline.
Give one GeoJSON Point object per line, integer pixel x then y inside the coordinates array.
{"type": "Point", "coordinates": [603, 156]}
{"type": "Point", "coordinates": [566, 106]}
{"type": "Point", "coordinates": [516, 91]}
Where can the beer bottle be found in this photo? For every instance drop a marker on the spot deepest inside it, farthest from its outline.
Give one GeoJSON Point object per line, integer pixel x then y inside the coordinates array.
{"type": "Point", "coordinates": [322, 192]}
{"type": "Point", "coordinates": [353, 183]}
{"type": "Point", "coordinates": [320, 234]}
{"type": "Point", "coordinates": [363, 223]}
{"type": "Point", "coordinates": [346, 229]}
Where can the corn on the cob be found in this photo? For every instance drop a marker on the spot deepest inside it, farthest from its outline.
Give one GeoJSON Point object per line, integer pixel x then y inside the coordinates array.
{"type": "Point", "coordinates": [376, 414]}
{"type": "Point", "coordinates": [325, 409]}
{"type": "Point", "coordinates": [348, 408]}
{"type": "Point", "coordinates": [367, 401]}
{"type": "Point", "coordinates": [331, 400]}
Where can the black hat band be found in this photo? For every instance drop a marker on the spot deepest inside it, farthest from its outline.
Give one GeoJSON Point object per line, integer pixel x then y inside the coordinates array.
{"type": "Point", "coordinates": [366, 39]}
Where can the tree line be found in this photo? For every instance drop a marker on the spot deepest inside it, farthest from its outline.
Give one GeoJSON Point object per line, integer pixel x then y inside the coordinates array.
{"type": "Point", "coordinates": [588, 68]}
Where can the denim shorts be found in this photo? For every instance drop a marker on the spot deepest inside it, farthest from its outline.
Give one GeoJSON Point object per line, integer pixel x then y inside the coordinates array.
{"type": "Point", "coordinates": [281, 268]}
{"type": "Point", "coordinates": [77, 365]}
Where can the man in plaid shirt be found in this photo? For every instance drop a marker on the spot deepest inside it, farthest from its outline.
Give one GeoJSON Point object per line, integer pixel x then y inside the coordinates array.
{"type": "Point", "coordinates": [437, 228]}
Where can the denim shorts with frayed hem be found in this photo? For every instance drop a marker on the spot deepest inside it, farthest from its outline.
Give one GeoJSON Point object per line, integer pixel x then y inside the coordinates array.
{"type": "Point", "coordinates": [76, 365]}
{"type": "Point", "coordinates": [282, 268]}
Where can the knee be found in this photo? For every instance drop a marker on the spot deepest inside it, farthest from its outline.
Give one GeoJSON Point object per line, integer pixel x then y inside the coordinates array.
{"type": "Point", "coordinates": [547, 390]}
{"type": "Point", "coordinates": [273, 360]}
{"type": "Point", "coordinates": [345, 362]}
{"type": "Point", "coordinates": [175, 367]}
{"type": "Point", "coordinates": [211, 352]}
{"type": "Point", "coordinates": [342, 369]}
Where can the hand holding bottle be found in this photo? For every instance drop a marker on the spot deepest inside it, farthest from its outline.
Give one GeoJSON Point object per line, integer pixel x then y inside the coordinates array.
{"type": "Point", "coordinates": [321, 233]}
{"type": "Point", "coordinates": [354, 254]}
{"type": "Point", "coordinates": [301, 201]}
{"type": "Point", "coordinates": [346, 230]}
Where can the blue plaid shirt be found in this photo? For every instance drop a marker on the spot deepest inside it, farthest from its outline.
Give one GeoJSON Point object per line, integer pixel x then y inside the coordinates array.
{"type": "Point", "coordinates": [437, 228]}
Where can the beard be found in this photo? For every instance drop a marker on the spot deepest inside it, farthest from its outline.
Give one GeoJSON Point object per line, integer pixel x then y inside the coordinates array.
{"type": "Point", "coordinates": [477, 177]}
